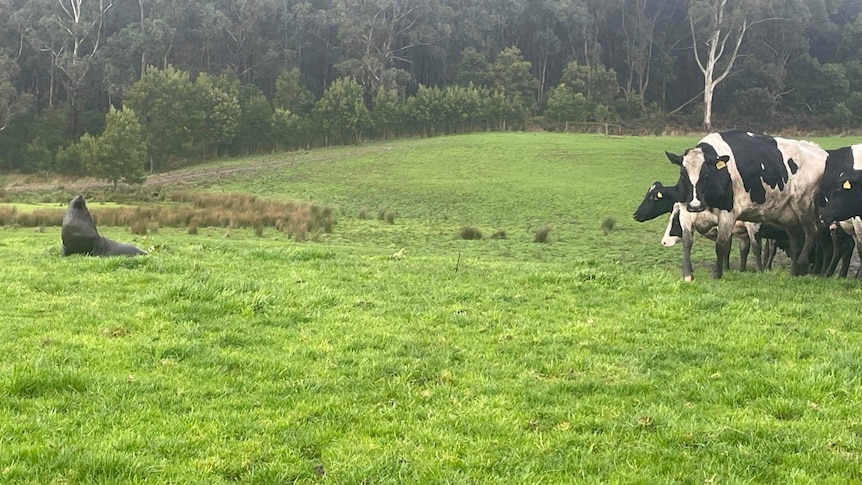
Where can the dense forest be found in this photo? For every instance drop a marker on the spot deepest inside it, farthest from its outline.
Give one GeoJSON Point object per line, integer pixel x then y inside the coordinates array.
{"type": "Point", "coordinates": [115, 88]}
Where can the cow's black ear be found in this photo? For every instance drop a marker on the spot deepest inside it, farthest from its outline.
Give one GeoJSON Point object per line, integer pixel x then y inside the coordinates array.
{"type": "Point", "coordinates": [724, 158]}
{"type": "Point", "coordinates": [721, 162]}
{"type": "Point", "coordinates": [674, 159]}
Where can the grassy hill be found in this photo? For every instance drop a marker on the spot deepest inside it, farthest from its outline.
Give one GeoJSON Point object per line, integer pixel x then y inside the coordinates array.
{"type": "Point", "coordinates": [394, 351]}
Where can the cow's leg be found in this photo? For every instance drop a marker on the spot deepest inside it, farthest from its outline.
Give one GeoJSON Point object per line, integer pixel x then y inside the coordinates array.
{"type": "Point", "coordinates": [754, 241]}
{"type": "Point", "coordinates": [744, 249]}
{"type": "Point", "coordinates": [835, 241]}
{"type": "Point", "coordinates": [722, 242]}
{"type": "Point", "coordinates": [858, 253]}
{"type": "Point", "coordinates": [687, 241]}
{"type": "Point", "coordinates": [842, 248]}
{"type": "Point", "coordinates": [845, 261]}
{"type": "Point", "coordinates": [857, 239]}
{"type": "Point", "coordinates": [771, 249]}
{"type": "Point", "coordinates": [810, 237]}
{"type": "Point", "coordinates": [793, 242]}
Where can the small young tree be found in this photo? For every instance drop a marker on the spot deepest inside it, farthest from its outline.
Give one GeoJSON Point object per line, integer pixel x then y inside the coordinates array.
{"type": "Point", "coordinates": [219, 111]}
{"type": "Point", "coordinates": [341, 112]}
{"type": "Point", "coordinates": [387, 113]}
{"type": "Point", "coordinates": [119, 153]}
{"type": "Point", "coordinates": [511, 76]}
{"type": "Point", "coordinates": [167, 102]}
{"type": "Point", "coordinates": [290, 93]}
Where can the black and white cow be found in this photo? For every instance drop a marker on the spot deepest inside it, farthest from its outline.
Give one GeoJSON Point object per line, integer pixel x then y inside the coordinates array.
{"type": "Point", "coordinates": [838, 162]}
{"type": "Point", "coordinates": [658, 200]}
{"type": "Point", "coordinates": [706, 224]}
{"type": "Point", "coordinates": [757, 178]}
{"type": "Point", "coordinates": [843, 192]}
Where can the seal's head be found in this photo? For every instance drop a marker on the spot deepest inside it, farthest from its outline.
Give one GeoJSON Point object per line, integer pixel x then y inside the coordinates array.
{"type": "Point", "coordinates": [78, 203]}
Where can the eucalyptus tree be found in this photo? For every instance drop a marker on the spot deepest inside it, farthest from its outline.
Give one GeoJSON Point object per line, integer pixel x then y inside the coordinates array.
{"type": "Point", "coordinates": [638, 19]}
{"type": "Point", "coordinates": [119, 153]}
{"type": "Point", "coordinates": [71, 32]}
{"type": "Point", "coordinates": [166, 100]}
{"type": "Point", "coordinates": [512, 77]}
{"type": "Point", "coordinates": [341, 113]}
{"type": "Point", "coordinates": [12, 102]}
{"type": "Point", "coordinates": [717, 30]}
{"type": "Point", "coordinates": [378, 36]}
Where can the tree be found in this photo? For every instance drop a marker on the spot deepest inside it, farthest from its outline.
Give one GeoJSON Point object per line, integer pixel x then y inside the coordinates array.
{"type": "Point", "coordinates": [715, 23]}
{"type": "Point", "coordinates": [289, 130]}
{"type": "Point", "coordinates": [119, 153]}
{"type": "Point", "coordinates": [291, 94]}
{"type": "Point", "coordinates": [563, 105]}
{"type": "Point", "coordinates": [387, 113]}
{"type": "Point", "coordinates": [512, 77]}
{"type": "Point", "coordinates": [638, 19]}
{"type": "Point", "coordinates": [254, 121]}
{"type": "Point", "coordinates": [341, 112]}
{"type": "Point", "coordinates": [71, 31]}
{"type": "Point", "coordinates": [220, 111]}
{"type": "Point", "coordinates": [12, 103]}
{"type": "Point", "coordinates": [167, 103]}
{"type": "Point", "coordinates": [597, 83]}
{"type": "Point", "coordinates": [378, 34]}
{"type": "Point", "coordinates": [473, 69]}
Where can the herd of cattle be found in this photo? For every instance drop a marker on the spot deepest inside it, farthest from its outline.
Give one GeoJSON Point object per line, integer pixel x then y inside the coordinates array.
{"type": "Point", "coordinates": [789, 193]}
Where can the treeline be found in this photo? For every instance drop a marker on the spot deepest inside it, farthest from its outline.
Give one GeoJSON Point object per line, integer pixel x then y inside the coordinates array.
{"type": "Point", "coordinates": [180, 81]}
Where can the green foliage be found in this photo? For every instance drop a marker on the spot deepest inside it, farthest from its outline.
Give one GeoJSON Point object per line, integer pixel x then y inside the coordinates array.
{"type": "Point", "coordinates": [511, 76]}
{"type": "Point", "coordinates": [118, 154]}
{"type": "Point", "coordinates": [220, 111]}
{"type": "Point", "coordinates": [504, 112]}
{"type": "Point", "coordinates": [291, 94]}
{"type": "Point", "coordinates": [341, 112]}
{"type": "Point", "coordinates": [388, 113]}
{"type": "Point", "coordinates": [254, 121]}
{"type": "Point", "coordinates": [167, 103]}
{"type": "Point", "coordinates": [290, 130]}
{"type": "Point", "coordinates": [473, 69]}
{"type": "Point", "coordinates": [427, 109]}
{"type": "Point", "coordinates": [816, 87]}
{"type": "Point", "coordinates": [598, 84]}
{"type": "Point", "coordinates": [563, 105]}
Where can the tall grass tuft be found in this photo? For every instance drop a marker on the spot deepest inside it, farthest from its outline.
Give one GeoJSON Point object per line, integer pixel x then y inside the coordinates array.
{"type": "Point", "coordinates": [542, 233]}
{"type": "Point", "coordinates": [608, 225]}
{"type": "Point", "coordinates": [470, 232]}
{"type": "Point", "coordinates": [233, 211]}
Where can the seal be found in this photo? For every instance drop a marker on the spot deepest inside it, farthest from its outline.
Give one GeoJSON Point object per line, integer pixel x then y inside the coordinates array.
{"type": "Point", "coordinates": [80, 236]}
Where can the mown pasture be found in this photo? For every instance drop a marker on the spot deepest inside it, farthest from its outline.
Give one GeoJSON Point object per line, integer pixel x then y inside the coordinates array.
{"type": "Point", "coordinates": [394, 351]}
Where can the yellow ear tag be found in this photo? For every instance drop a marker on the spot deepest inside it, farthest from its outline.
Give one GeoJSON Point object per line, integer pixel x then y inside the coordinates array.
{"type": "Point", "coordinates": [720, 165]}
{"type": "Point", "coordinates": [658, 195]}
{"type": "Point", "coordinates": [846, 185]}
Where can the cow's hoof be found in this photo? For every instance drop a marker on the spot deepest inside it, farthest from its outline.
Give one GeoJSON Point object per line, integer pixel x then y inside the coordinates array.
{"type": "Point", "coordinates": [687, 278]}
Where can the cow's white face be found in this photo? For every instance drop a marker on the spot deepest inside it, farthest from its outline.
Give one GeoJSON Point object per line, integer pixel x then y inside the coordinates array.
{"type": "Point", "coordinates": [692, 163]}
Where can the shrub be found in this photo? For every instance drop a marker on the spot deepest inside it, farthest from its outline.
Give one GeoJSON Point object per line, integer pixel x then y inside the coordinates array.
{"type": "Point", "coordinates": [541, 235]}
{"type": "Point", "coordinates": [139, 228]}
{"type": "Point", "coordinates": [470, 232]}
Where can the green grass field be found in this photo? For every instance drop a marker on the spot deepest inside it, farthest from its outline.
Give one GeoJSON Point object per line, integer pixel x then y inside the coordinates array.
{"type": "Point", "coordinates": [401, 353]}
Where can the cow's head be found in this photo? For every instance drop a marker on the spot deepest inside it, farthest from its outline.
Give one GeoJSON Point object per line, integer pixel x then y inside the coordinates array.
{"type": "Point", "coordinates": [657, 201]}
{"type": "Point", "coordinates": [844, 201]}
{"type": "Point", "coordinates": [706, 178]}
